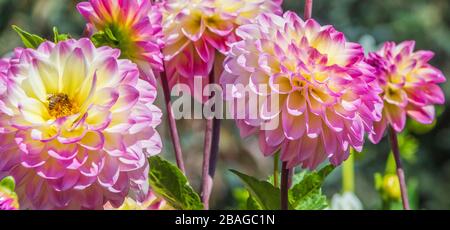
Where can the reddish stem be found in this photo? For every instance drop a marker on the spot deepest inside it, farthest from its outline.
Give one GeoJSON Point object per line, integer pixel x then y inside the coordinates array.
{"type": "Point", "coordinates": [285, 174]}
{"type": "Point", "coordinates": [172, 123]}
{"type": "Point", "coordinates": [308, 9]}
{"type": "Point", "coordinates": [400, 172]}
{"type": "Point", "coordinates": [210, 153]}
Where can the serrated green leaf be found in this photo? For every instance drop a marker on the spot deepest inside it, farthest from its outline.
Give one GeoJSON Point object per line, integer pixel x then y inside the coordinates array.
{"type": "Point", "coordinates": [57, 37]}
{"type": "Point", "coordinates": [307, 194]}
{"type": "Point", "coordinates": [8, 184]}
{"type": "Point", "coordinates": [29, 40]}
{"type": "Point", "coordinates": [169, 182]}
{"type": "Point", "coordinates": [264, 193]}
{"type": "Point", "coordinates": [315, 201]}
{"type": "Point", "coordinates": [295, 179]}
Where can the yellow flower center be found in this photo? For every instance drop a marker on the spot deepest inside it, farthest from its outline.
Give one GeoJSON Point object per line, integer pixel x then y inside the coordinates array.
{"type": "Point", "coordinates": [60, 105]}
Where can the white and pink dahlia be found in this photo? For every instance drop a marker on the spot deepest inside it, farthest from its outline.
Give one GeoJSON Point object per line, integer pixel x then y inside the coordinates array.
{"type": "Point", "coordinates": [133, 26]}
{"type": "Point", "coordinates": [409, 86]}
{"type": "Point", "coordinates": [197, 34]}
{"type": "Point", "coordinates": [327, 95]}
{"type": "Point", "coordinates": [77, 125]}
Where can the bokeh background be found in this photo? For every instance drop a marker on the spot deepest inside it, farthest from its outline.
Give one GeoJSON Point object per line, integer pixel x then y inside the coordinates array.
{"type": "Point", "coordinates": [425, 149]}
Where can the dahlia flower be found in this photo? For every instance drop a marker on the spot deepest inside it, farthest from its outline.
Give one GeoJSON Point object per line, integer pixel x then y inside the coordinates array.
{"type": "Point", "coordinates": [8, 198]}
{"type": "Point", "coordinates": [409, 86]}
{"type": "Point", "coordinates": [197, 34]}
{"type": "Point", "coordinates": [8, 202]}
{"type": "Point", "coordinates": [327, 95]}
{"type": "Point", "coordinates": [133, 26]}
{"type": "Point", "coordinates": [76, 126]}
{"type": "Point", "coordinates": [151, 202]}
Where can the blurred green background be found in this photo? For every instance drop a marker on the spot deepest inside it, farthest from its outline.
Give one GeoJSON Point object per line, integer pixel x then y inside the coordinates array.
{"type": "Point", "coordinates": [425, 149]}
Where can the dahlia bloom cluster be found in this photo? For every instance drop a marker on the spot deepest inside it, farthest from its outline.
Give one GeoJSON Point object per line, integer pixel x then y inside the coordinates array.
{"type": "Point", "coordinates": [328, 96]}
{"type": "Point", "coordinates": [409, 86]}
{"type": "Point", "coordinates": [76, 126]}
{"type": "Point", "coordinates": [198, 32]}
{"type": "Point", "coordinates": [133, 26]}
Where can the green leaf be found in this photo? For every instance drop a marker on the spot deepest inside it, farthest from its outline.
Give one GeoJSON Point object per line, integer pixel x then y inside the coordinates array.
{"type": "Point", "coordinates": [59, 37]}
{"type": "Point", "coordinates": [252, 204]}
{"type": "Point", "coordinates": [29, 40]}
{"type": "Point", "coordinates": [169, 182]}
{"type": "Point", "coordinates": [105, 37]}
{"type": "Point", "coordinates": [8, 184]}
{"type": "Point", "coordinates": [263, 193]}
{"type": "Point", "coordinates": [295, 179]}
{"type": "Point", "coordinates": [307, 194]}
{"type": "Point", "coordinates": [110, 35]}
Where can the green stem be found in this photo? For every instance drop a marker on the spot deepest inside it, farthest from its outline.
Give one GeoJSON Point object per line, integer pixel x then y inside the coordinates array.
{"type": "Point", "coordinates": [348, 173]}
{"type": "Point", "coordinates": [276, 170]}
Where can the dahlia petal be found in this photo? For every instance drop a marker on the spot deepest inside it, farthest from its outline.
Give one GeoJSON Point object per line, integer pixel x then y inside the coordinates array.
{"type": "Point", "coordinates": [281, 83]}
{"type": "Point", "coordinates": [110, 172]}
{"type": "Point", "coordinates": [333, 121]}
{"type": "Point", "coordinates": [307, 148]}
{"type": "Point", "coordinates": [33, 111]}
{"type": "Point", "coordinates": [106, 97]}
{"type": "Point", "coordinates": [93, 141]}
{"type": "Point", "coordinates": [379, 129]}
{"type": "Point", "coordinates": [128, 97]}
{"type": "Point", "coordinates": [274, 137]}
{"type": "Point", "coordinates": [66, 182]}
{"type": "Point", "coordinates": [313, 126]}
{"type": "Point", "coordinates": [266, 149]}
{"type": "Point", "coordinates": [434, 94]}
{"type": "Point", "coordinates": [73, 75]}
{"type": "Point", "coordinates": [194, 26]}
{"type": "Point", "coordinates": [330, 141]}
{"type": "Point", "coordinates": [424, 115]}
{"type": "Point", "coordinates": [290, 150]}
{"type": "Point", "coordinates": [99, 118]}
{"type": "Point", "coordinates": [291, 130]}
{"type": "Point", "coordinates": [396, 117]}
{"type": "Point", "coordinates": [50, 170]}
{"type": "Point", "coordinates": [296, 103]}
{"type": "Point", "coordinates": [62, 151]}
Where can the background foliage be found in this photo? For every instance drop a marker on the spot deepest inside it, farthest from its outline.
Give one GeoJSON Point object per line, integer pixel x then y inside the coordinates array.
{"type": "Point", "coordinates": [426, 149]}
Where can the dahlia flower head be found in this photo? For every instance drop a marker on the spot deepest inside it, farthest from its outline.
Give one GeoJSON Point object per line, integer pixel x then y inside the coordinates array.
{"type": "Point", "coordinates": [133, 26]}
{"type": "Point", "coordinates": [151, 202]}
{"type": "Point", "coordinates": [198, 32]}
{"type": "Point", "coordinates": [8, 202]}
{"type": "Point", "coordinates": [77, 125]}
{"type": "Point", "coordinates": [327, 95]}
{"type": "Point", "coordinates": [409, 86]}
{"type": "Point", "coordinates": [8, 198]}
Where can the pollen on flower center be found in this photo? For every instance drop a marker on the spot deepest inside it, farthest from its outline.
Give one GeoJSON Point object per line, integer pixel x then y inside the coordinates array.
{"type": "Point", "coordinates": [60, 105]}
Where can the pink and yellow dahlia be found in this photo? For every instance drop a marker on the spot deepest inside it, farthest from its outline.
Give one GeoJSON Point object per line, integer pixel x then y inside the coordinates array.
{"type": "Point", "coordinates": [198, 32]}
{"type": "Point", "coordinates": [77, 125]}
{"type": "Point", "coordinates": [8, 198]}
{"type": "Point", "coordinates": [151, 202]}
{"type": "Point", "coordinates": [327, 95]}
{"type": "Point", "coordinates": [133, 26]}
{"type": "Point", "coordinates": [409, 86]}
{"type": "Point", "coordinates": [8, 202]}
